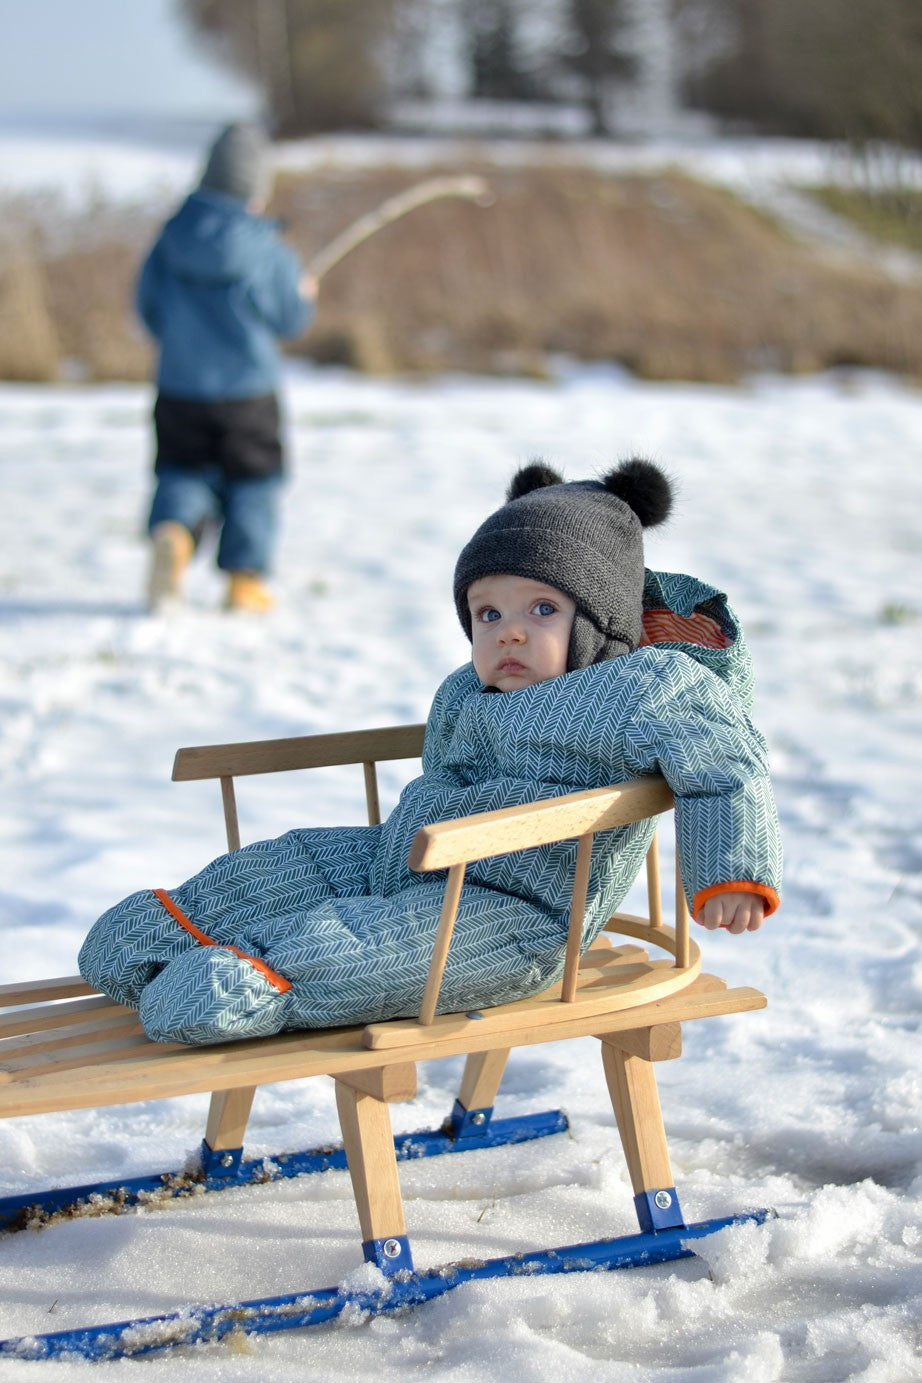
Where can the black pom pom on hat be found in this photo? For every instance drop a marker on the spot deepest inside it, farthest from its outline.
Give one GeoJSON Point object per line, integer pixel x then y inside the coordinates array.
{"type": "Point", "coordinates": [535, 476]}
{"type": "Point", "coordinates": [644, 488]}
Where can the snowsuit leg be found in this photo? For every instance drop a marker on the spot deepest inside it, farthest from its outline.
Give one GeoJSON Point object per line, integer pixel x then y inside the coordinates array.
{"type": "Point", "coordinates": [357, 959]}
{"type": "Point", "coordinates": [237, 900]}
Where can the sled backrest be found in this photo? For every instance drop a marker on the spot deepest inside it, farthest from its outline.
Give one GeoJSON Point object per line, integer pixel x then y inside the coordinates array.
{"type": "Point", "coordinates": [229, 761]}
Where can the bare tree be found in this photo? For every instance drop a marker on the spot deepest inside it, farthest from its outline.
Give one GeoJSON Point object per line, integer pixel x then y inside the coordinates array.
{"type": "Point", "coordinates": [844, 71]}
{"type": "Point", "coordinates": [598, 53]}
{"type": "Point", "coordinates": [490, 29]}
{"type": "Point", "coordinates": [319, 63]}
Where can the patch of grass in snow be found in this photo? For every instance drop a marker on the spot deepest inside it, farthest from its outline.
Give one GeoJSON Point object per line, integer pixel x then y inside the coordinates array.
{"type": "Point", "coordinates": [893, 215]}
{"type": "Point", "coordinates": [894, 612]}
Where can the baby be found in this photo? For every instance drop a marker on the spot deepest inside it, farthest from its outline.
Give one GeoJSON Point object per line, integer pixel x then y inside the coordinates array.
{"type": "Point", "coordinates": [521, 635]}
{"type": "Point", "coordinates": [605, 672]}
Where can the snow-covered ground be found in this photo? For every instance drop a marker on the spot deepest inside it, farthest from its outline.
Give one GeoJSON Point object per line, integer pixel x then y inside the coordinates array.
{"type": "Point", "coordinates": [803, 499]}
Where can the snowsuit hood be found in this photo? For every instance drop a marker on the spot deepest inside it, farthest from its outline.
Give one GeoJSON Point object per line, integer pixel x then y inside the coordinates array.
{"type": "Point", "coordinates": [684, 613]}
{"type": "Point", "coordinates": [214, 239]}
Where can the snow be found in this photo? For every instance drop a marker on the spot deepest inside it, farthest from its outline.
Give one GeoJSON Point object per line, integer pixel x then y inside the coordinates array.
{"type": "Point", "coordinates": [801, 498]}
{"type": "Point", "coordinates": [812, 1108]}
{"type": "Point", "coordinates": [133, 157]}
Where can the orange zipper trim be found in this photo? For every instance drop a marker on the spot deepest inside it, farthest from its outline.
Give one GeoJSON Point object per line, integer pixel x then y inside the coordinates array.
{"type": "Point", "coordinates": [277, 981]}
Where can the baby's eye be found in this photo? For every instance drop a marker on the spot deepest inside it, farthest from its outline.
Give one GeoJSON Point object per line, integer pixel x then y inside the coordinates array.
{"type": "Point", "coordinates": [545, 607]}
{"type": "Point", "coordinates": [488, 614]}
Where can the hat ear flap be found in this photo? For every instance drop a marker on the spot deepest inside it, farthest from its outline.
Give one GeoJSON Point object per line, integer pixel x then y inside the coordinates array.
{"type": "Point", "coordinates": [643, 487]}
{"type": "Point", "coordinates": [534, 476]}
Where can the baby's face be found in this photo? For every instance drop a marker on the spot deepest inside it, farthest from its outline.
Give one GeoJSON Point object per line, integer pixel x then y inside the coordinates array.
{"type": "Point", "coordinates": [521, 631]}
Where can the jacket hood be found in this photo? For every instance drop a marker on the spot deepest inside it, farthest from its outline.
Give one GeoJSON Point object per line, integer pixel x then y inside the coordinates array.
{"type": "Point", "coordinates": [692, 618]}
{"type": "Point", "coordinates": [683, 613]}
{"type": "Point", "coordinates": [213, 239]}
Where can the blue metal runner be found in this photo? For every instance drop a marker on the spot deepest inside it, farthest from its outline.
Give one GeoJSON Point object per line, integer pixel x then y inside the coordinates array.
{"type": "Point", "coordinates": [207, 1324]}
{"type": "Point", "coordinates": [465, 1131]}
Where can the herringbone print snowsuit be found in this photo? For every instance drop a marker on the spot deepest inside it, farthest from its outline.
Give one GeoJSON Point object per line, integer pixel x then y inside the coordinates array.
{"type": "Point", "coordinates": [337, 912]}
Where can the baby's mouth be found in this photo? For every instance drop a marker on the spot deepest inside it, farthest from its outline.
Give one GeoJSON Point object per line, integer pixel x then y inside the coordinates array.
{"type": "Point", "coordinates": [511, 665]}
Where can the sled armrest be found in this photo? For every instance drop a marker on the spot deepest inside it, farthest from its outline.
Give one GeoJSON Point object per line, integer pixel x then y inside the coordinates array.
{"type": "Point", "coordinates": [484, 834]}
{"type": "Point", "coordinates": [229, 761]}
{"type": "Point", "coordinates": [452, 845]}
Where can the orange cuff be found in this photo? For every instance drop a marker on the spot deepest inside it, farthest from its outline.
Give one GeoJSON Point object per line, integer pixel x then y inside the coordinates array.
{"type": "Point", "coordinates": [772, 900]}
{"type": "Point", "coordinates": [278, 981]}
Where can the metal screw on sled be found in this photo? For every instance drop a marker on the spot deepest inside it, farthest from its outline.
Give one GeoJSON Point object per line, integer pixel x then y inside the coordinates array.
{"type": "Point", "coordinates": [226, 1160]}
{"type": "Point", "coordinates": [392, 1248]}
{"type": "Point", "coordinates": [478, 1118]}
{"type": "Point", "coordinates": [663, 1200]}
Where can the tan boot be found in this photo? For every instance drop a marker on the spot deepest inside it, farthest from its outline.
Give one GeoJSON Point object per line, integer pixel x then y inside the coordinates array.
{"type": "Point", "coordinates": [173, 546]}
{"type": "Point", "coordinates": [246, 590]}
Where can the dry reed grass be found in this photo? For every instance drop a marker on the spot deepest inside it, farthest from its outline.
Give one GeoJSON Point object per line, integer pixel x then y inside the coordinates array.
{"type": "Point", "coordinates": [672, 278]}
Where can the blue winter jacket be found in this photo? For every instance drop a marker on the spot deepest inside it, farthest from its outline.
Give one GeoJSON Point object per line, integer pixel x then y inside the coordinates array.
{"type": "Point", "coordinates": [218, 290]}
{"type": "Point", "coordinates": [338, 913]}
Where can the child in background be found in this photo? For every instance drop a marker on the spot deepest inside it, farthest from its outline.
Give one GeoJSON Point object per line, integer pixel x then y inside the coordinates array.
{"type": "Point", "coordinates": [603, 672]}
{"type": "Point", "coordinates": [217, 291]}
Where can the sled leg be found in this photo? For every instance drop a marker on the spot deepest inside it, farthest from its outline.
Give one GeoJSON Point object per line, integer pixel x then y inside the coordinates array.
{"type": "Point", "coordinates": [369, 1142]}
{"type": "Point", "coordinates": [222, 1146]}
{"type": "Point", "coordinates": [473, 1109]}
{"type": "Point", "coordinates": [471, 1124]}
{"type": "Point", "coordinates": [628, 1062]}
{"type": "Point", "coordinates": [483, 1072]}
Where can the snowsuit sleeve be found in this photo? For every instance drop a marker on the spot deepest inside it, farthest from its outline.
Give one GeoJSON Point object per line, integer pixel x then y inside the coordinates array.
{"type": "Point", "coordinates": [689, 727]}
{"type": "Point", "coordinates": [147, 295]}
{"type": "Point", "coordinates": [274, 290]}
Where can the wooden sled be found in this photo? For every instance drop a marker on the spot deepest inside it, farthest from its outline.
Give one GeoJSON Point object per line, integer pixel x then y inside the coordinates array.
{"type": "Point", "coordinates": [64, 1046]}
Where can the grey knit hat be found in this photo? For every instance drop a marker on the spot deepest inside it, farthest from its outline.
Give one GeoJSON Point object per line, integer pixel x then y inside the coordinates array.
{"type": "Point", "coordinates": [584, 537]}
{"type": "Point", "coordinates": [238, 163]}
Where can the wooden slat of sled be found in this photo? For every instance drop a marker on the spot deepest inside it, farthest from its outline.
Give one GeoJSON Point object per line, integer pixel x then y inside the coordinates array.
{"type": "Point", "coordinates": [87, 1049]}
{"type": "Point", "coordinates": [306, 751]}
{"type": "Point", "coordinates": [43, 991]}
{"type": "Point", "coordinates": [574, 814]}
{"type": "Point", "coordinates": [627, 987]}
{"type": "Point", "coordinates": [15, 1049]}
{"type": "Point", "coordinates": [640, 985]}
{"type": "Point", "coordinates": [39, 1017]}
{"type": "Point", "coordinates": [147, 1071]}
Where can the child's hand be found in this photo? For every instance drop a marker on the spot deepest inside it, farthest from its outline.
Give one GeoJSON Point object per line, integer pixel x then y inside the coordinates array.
{"type": "Point", "coordinates": [737, 912]}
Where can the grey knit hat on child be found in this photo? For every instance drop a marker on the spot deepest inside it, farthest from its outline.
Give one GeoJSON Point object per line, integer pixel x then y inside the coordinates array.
{"type": "Point", "coordinates": [585, 538]}
{"type": "Point", "coordinates": [238, 163]}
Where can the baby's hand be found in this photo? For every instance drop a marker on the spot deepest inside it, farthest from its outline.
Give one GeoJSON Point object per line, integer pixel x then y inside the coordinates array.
{"type": "Point", "coordinates": [737, 912]}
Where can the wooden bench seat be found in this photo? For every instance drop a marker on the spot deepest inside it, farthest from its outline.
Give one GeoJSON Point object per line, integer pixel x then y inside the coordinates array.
{"type": "Point", "coordinates": [64, 1047]}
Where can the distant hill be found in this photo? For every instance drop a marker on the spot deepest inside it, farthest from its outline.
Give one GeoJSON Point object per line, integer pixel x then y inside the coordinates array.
{"type": "Point", "coordinates": [671, 276]}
